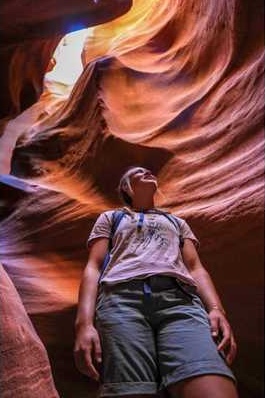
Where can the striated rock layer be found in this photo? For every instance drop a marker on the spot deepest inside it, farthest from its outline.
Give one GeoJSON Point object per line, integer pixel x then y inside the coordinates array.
{"type": "Point", "coordinates": [25, 368]}
{"type": "Point", "coordinates": [176, 86]}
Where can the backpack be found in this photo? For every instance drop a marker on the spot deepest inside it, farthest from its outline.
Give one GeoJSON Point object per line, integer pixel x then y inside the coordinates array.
{"type": "Point", "coordinates": [116, 219]}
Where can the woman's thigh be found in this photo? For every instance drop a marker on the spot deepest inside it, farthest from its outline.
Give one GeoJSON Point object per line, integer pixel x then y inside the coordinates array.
{"type": "Point", "coordinates": [185, 346]}
{"type": "Point", "coordinates": [128, 346]}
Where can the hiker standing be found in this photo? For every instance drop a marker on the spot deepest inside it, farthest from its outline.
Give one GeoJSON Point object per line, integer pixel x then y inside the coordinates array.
{"type": "Point", "coordinates": [151, 320]}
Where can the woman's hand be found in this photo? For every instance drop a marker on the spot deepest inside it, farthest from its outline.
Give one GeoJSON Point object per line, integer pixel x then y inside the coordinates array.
{"type": "Point", "coordinates": [87, 351]}
{"type": "Point", "coordinates": [222, 334]}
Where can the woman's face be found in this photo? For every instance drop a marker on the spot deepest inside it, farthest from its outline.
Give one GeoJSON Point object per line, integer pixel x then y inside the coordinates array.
{"type": "Point", "coordinates": [141, 178]}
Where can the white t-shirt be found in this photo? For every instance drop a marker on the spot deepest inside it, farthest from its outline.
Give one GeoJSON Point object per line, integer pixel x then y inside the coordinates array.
{"type": "Point", "coordinates": [139, 253]}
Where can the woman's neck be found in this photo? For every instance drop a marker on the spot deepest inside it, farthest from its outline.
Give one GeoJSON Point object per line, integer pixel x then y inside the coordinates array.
{"type": "Point", "coordinates": [143, 204]}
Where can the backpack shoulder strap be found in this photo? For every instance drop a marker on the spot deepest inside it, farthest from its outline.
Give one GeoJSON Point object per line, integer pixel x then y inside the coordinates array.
{"type": "Point", "coordinates": [117, 216]}
{"type": "Point", "coordinates": [176, 222]}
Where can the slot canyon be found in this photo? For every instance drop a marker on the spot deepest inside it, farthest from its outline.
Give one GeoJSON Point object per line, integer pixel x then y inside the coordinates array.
{"type": "Point", "coordinates": [89, 88]}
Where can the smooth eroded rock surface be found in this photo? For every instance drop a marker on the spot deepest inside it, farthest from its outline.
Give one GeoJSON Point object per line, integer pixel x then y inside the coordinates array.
{"type": "Point", "coordinates": [176, 86]}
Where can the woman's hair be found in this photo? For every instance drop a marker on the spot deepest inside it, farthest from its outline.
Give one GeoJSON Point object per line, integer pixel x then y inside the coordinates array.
{"type": "Point", "coordinates": [125, 179]}
{"type": "Point", "coordinates": [125, 198]}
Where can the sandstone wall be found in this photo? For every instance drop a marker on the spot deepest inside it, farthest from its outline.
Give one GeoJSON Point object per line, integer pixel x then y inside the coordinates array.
{"type": "Point", "coordinates": [176, 86]}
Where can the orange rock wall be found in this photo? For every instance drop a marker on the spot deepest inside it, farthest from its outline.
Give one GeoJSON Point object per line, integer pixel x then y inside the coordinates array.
{"type": "Point", "coordinates": [25, 369]}
{"type": "Point", "coordinates": [176, 86]}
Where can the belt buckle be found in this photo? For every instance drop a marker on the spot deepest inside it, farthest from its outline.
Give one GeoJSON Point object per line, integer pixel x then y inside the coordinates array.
{"type": "Point", "coordinates": [147, 286]}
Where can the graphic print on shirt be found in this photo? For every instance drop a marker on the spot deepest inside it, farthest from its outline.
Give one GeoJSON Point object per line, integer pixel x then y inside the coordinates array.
{"type": "Point", "coordinates": [153, 231]}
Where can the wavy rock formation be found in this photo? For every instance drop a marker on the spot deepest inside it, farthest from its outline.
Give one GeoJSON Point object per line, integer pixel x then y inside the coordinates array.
{"type": "Point", "coordinates": [173, 85]}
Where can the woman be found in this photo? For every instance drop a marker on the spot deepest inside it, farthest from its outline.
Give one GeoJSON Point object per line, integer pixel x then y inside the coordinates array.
{"type": "Point", "coordinates": [156, 321]}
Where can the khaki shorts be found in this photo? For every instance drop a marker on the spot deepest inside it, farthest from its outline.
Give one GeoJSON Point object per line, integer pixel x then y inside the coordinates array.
{"type": "Point", "coordinates": [154, 333]}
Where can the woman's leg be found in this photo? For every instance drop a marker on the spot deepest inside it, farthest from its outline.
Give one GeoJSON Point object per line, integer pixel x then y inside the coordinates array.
{"type": "Point", "coordinates": [208, 386]}
{"type": "Point", "coordinates": [160, 395]}
{"type": "Point", "coordinates": [189, 361]}
{"type": "Point", "coordinates": [129, 365]}
{"type": "Point", "coordinates": [137, 396]}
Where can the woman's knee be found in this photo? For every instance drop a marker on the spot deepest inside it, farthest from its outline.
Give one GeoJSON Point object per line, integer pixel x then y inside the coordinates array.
{"type": "Point", "coordinates": [137, 396]}
{"type": "Point", "coordinates": [208, 386]}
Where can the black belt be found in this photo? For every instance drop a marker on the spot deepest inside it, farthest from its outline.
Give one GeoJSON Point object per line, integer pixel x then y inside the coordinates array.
{"type": "Point", "coordinates": [155, 283]}
{"type": "Point", "coordinates": [160, 282]}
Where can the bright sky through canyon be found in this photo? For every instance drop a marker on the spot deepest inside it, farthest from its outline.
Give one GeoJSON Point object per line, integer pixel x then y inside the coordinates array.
{"type": "Point", "coordinates": [176, 86]}
{"type": "Point", "coordinates": [68, 66]}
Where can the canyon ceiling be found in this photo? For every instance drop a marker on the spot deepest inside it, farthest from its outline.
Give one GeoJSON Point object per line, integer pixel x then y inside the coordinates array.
{"type": "Point", "coordinates": [173, 85]}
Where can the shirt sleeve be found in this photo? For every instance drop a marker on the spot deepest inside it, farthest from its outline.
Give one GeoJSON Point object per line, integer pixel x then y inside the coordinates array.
{"type": "Point", "coordinates": [101, 228]}
{"type": "Point", "coordinates": [187, 233]}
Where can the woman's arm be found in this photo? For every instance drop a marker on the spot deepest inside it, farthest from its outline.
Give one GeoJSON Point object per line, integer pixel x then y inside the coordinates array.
{"type": "Point", "coordinates": [219, 325]}
{"type": "Point", "coordinates": [87, 349]}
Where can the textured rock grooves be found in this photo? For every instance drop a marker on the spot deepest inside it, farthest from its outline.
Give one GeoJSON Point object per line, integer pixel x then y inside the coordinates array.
{"type": "Point", "coordinates": [173, 85]}
{"type": "Point", "coordinates": [25, 369]}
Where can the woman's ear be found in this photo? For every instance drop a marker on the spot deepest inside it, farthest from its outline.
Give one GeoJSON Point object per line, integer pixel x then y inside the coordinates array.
{"type": "Point", "coordinates": [125, 187]}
